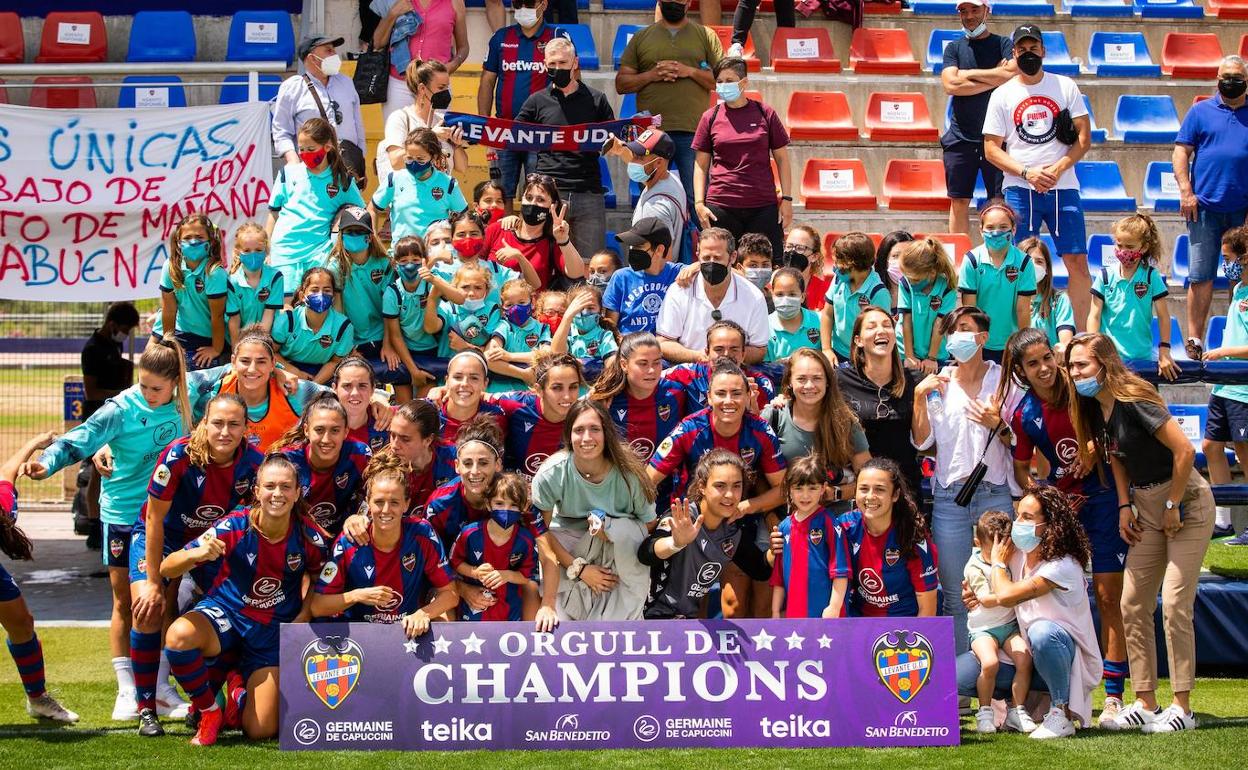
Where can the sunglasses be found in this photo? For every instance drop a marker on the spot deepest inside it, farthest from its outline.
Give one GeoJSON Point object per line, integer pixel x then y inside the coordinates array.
{"type": "Point", "coordinates": [333, 106]}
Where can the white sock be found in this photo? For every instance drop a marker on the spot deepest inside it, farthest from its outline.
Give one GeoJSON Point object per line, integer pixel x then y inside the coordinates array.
{"type": "Point", "coordinates": [162, 678]}
{"type": "Point", "coordinates": [1222, 516]}
{"type": "Point", "coordinates": [125, 675]}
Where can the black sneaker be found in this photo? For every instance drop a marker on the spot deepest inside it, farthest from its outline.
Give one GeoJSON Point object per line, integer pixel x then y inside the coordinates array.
{"type": "Point", "coordinates": [1221, 532]}
{"type": "Point", "coordinates": [149, 725]}
{"type": "Point", "coordinates": [192, 719]}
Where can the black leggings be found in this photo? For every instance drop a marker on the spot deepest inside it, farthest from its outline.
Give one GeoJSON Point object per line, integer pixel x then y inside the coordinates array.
{"type": "Point", "coordinates": [743, 18]}
{"type": "Point", "coordinates": [764, 220]}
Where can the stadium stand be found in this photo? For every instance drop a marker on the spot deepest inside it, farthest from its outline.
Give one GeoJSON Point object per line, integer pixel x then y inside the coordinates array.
{"type": "Point", "coordinates": [1121, 55]}
{"type": "Point", "coordinates": [46, 94]}
{"type": "Point", "coordinates": [915, 185]}
{"type": "Point", "coordinates": [899, 117]}
{"type": "Point", "coordinates": [1101, 187]}
{"type": "Point", "coordinates": [936, 43]}
{"type": "Point", "coordinates": [261, 36]}
{"type": "Point", "coordinates": [1099, 135]}
{"type": "Point", "coordinates": [73, 38]}
{"type": "Point", "coordinates": [747, 51]}
{"type": "Point", "coordinates": [1191, 55]}
{"type": "Point", "coordinates": [583, 38]}
{"type": "Point", "coordinates": [882, 52]}
{"type": "Point", "coordinates": [162, 36]}
{"type": "Point", "coordinates": [1161, 191]}
{"type": "Point", "coordinates": [151, 92]}
{"type": "Point", "coordinates": [1101, 8]}
{"type": "Point", "coordinates": [12, 39]}
{"type": "Point", "coordinates": [1168, 9]}
{"type": "Point", "coordinates": [623, 34]}
{"type": "Point", "coordinates": [234, 89]}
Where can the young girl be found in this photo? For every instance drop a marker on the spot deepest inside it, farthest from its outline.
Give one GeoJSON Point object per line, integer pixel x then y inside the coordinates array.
{"type": "Point", "coordinates": [1228, 418]}
{"type": "Point", "coordinates": [925, 295]}
{"type": "Point", "coordinates": [516, 338]}
{"type": "Point", "coordinates": [330, 465]}
{"type": "Point", "coordinates": [888, 260]}
{"type": "Point", "coordinates": [549, 307]}
{"type": "Point", "coordinates": [466, 324]}
{"type": "Point", "coordinates": [601, 267]}
{"type": "Point", "coordinates": [403, 310]}
{"type": "Point", "coordinates": [193, 289]}
{"type": "Point", "coordinates": [363, 270]}
{"type": "Point", "coordinates": [15, 616]}
{"type": "Point", "coordinates": [582, 332]}
{"type": "Point", "coordinates": [499, 554]}
{"type": "Point", "coordinates": [312, 337]}
{"type": "Point", "coordinates": [792, 326]}
{"type": "Point", "coordinates": [419, 194]}
{"type": "Point", "coordinates": [998, 278]}
{"type": "Point", "coordinates": [806, 582]}
{"type": "Point", "coordinates": [257, 291]}
{"type": "Point", "coordinates": [855, 285]}
{"type": "Point", "coordinates": [1050, 309]}
{"type": "Point", "coordinates": [469, 248]}
{"type": "Point", "coordinates": [271, 544]}
{"type": "Point", "coordinates": [136, 425]}
{"type": "Point", "coordinates": [467, 377]}
{"type": "Point", "coordinates": [1126, 295]}
{"type": "Point", "coordinates": [438, 243]}
{"type": "Point", "coordinates": [306, 199]}
{"type": "Point", "coordinates": [489, 201]}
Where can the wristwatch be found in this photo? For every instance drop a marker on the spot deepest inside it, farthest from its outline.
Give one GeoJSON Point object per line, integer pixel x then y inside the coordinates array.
{"type": "Point", "coordinates": [575, 568]}
{"type": "Point", "coordinates": [1023, 173]}
{"type": "Point", "coordinates": [1171, 505]}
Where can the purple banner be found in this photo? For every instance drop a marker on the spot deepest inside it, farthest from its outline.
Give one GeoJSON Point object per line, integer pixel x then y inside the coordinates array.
{"type": "Point", "coordinates": [783, 683]}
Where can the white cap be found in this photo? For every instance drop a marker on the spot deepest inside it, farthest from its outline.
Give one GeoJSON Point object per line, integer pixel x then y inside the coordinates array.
{"type": "Point", "coordinates": [979, 3]}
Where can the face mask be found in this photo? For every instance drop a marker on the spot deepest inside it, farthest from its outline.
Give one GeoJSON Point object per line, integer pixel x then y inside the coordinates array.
{"type": "Point", "coordinates": [962, 346]}
{"type": "Point", "coordinates": [519, 314]}
{"type": "Point", "coordinates": [120, 337]}
{"type": "Point", "coordinates": [1232, 88]}
{"type": "Point", "coordinates": [551, 320]}
{"type": "Point", "coordinates": [416, 168]}
{"type": "Point", "coordinates": [597, 279]}
{"type": "Point", "coordinates": [318, 302]}
{"type": "Point", "coordinates": [894, 272]}
{"type": "Point", "coordinates": [759, 276]}
{"type": "Point", "coordinates": [331, 65]}
{"type": "Point", "coordinates": [410, 271]}
{"type": "Point", "coordinates": [313, 158]}
{"type": "Point", "coordinates": [194, 250]}
{"type": "Point", "coordinates": [585, 322]}
{"type": "Point", "coordinates": [560, 78]}
{"type": "Point", "coordinates": [788, 307]}
{"type": "Point", "coordinates": [533, 214]}
{"type": "Point", "coordinates": [490, 213]}
{"type": "Point", "coordinates": [1089, 386]}
{"type": "Point", "coordinates": [468, 247]}
{"type": "Point", "coordinates": [997, 241]}
{"type": "Point", "coordinates": [1024, 536]}
{"type": "Point", "coordinates": [1128, 257]}
{"type": "Point", "coordinates": [1029, 63]}
{"type": "Point", "coordinates": [526, 17]}
{"type": "Point", "coordinates": [796, 260]}
{"type": "Point", "coordinates": [355, 242]}
{"type": "Point", "coordinates": [252, 260]}
{"type": "Point", "coordinates": [1232, 269]}
{"type": "Point", "coordinates": [441, 100]}
{"type": "Point", "coordinates": [473, 305]}
{"type": "Point", "coordinates": [714, 273]}
{"type": "Point", "coordinates": [729, 92]}
{"type": "Point", "coordinates": [841, 273]}
{"type": "Point", "coordinates": [1041, 272]}
{"type": "Point", "coordinates": [922, 286]}
{"type": "Point", "coordinates": [505, 517]}
{"type": "Point", "coordinates": [637, 172]}
{"type": "Point", "coordinates": [673, 13]}
{"type": "Point", "coordinates": [981, 29]}
{"type": "Point", "coordinates": [638, 260]}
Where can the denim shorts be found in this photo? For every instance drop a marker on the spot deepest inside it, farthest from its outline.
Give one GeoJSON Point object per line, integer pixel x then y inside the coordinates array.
{"type": "Point", "coordinates": [1205, 235]}
{"type": "Point", "coordinates": [1061, 211]}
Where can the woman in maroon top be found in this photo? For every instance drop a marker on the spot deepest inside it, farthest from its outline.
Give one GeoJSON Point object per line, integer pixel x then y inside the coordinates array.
{"type": "Point", "coordinates": [539, 233]}
{"type": "Point", "coordinates": [735, 143]}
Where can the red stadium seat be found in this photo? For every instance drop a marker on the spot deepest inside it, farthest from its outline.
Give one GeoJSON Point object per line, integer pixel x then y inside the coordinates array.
{"type": "Point", "coordinates": [1198, 98]}
{"type": "Point", "coordinates": [836, 184]}
{"type": "Point", "coordinates": [882, 51]}
{"type": "Point", "coordinates": [899, 117]}
{"type": "Point", "coordinates": [1243, 46]}
{"type": "Point", "coordinates": [73, 38]}
{"type": "Point", "coordinates": [751, 57]}
{"type": "Point", "coordinates": [915, 185]}
{"type": "Point", "coordinates": [830, 239]}
{"type": "Point", "coordinates": [956, 244]}
{"type": "Point", "coordinates": [12, 41]}
{"type": "Point", "coordinates": [805, 49]}
{"type": "Point", "coordinates": [882, 8]}
{"type": "Point", "coordinates": [820, 115]}
{"type": "Point", "coordinates": [1228, 9]}
{"type": "Point", "coordinates": [62, 98]}
{"type": "Point", "coordinates": [1191, 55]}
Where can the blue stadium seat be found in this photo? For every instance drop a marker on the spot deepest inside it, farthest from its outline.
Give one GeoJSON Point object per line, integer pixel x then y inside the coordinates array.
{"type": "Point", "coordinates": [1192, 419]}
{"type": "Point", "coordinates": [634, 193]}
{"type": "Point", "coordinates": [1032, 8]}
{"type": "Point", "coordinates": [1109, 8]}
{"type": "Point", "coordinates": [1099, 135]}
{"type": "Point", "coordinates": [1214, 332]}
{"type": "Point", "coordinates": [161, 36]}
{"type": "Point", "coordinates": [612, 244]}
{"type": "Point", "coordinates": [1061, 276]}
{"type": "Point", "coordinates": [1161, 192]}
{"type": "Point", "coordinates": [1100, 250]}
{"type": "Point", "coordinates": [623, 34]}
{"type": "Point", "coordinates": [1176, 345]}
{"type": "Point", "coordinates": [1225, 370]}
{"type": "Point", "coordinates": [1101, 187]}
{"type": "Point", "coordinates": [628, 106]}
{"type": "Point", "coordinates": [605, 172]}
{"type": "Point", "coordinates": [1168, 9]}
{"type": "Point", "coordinates": [234, 90]}
{"type": "Point", "coordinates": [1146, 119]}
{"type": "Point", "coordinates": [935, 7]}
{"type": "Point", "coordinates": [1056, 53]}
{"type": "Point", "coordinates": [1121, 54]}
{"type": "Point", "coordinates": [936, 43]}
{"type": "Point", "coordinates": [583, 39]}
{"type": "Point", "coordinates": [151, 92]}
{"type": "Point", "coordinates": [1180, 260]}
{"type": "Point", "coordinates": [261, 36]}
{"type": "Point", "coordinates": [627, 5]}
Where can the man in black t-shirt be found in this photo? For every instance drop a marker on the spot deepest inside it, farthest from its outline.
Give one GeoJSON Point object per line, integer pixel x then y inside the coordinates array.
{"type": "Point", "coordinates": [974, 65]}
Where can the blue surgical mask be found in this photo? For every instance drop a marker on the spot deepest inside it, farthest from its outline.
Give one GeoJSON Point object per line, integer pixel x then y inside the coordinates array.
{"type": "Point", "coordinates": [505, 517]}
{"type": "Point", "coordinates": [922, 286]}
{"type": "Point", "coordinates": [997, 241]}
{"type": "Point", "coordinates": [1088, 386]}
{"type": "Point", "coordinates": [981, 29]}
{"type": "Point", "coordinates": [252, 260]}
{"type": "Point", "coordinates": [194, 250]}
{"type": "Point", "coordinates": [473, 305]}
{"type": "Point", "coordinates": [1232, 269]}
{"type": "Point", "coordinates": [962, 346]}
{"type": "Point", "coordinates": [1024, 536]}
{"type": "Point", "coordinates": [729, 92]}
{"type": "Point", "coordinates": [759, 276]}
{"type": "Point", "coordinates": [637, 172]}
{"type": "Point", "coordinates": [318, 302]}
{"type": "Point", "coordinates": [585, 322]}
{"type": "Point", "coordinates": [410, 271]}
{"type": "Point", "coordinates": [416, 168]}
{"type": "Point", "coordinates": [355, 242]}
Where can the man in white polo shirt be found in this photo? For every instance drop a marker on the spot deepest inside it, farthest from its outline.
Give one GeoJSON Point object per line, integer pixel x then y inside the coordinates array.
{"type": "Point", "coordinates": [718, 293]}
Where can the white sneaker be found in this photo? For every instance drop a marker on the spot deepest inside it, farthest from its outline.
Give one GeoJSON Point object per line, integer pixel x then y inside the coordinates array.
{"type": "Point", "coordinates": [984, 723]}
{"type": "Point", "coordinates": [736, 50]}
{"type": "Point", "coordinates": [1055, 725]}
{"type": "Point", "coordinates": [1133, 716]}
{"type": "Point", "coordinates": [1113, 707]}
{"type": "Point", "coordinates": [46, 707]}
{"type": "Point", "coordinates": [1172, 720]}
{"type": "Point", "coordinates": [169, 703]}
{"type": "Point", "coordinates": [1018, 720]}
{"type": "Point", "coordinates": [125, 708]}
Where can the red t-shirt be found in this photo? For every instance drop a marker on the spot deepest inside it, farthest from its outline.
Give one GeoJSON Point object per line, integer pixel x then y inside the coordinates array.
{"type": "Point", "coordinates": [543, 253]}
{"type": "Point", "coordinates": [816, 292]}
{"type": "Point", "coordinates": [740, 144]}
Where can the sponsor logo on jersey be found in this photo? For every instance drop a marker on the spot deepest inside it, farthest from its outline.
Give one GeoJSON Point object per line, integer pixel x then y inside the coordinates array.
{"type": "Point", "coordinates": [903, 660]}
{"type": "Point", "coordinates": [203, 516]}
{"type": "Point", "coordinates": [332, 666]}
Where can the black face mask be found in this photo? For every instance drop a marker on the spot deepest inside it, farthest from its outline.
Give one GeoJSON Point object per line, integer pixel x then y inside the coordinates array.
{"type": "Point", "coordinates": [1029, 63]}
{"type": "Point", "coordinates": [638, 260]}
{"type": "Point", "coordinates": [795, 259]}
{"type": "Point", "coordinates": [714, 273]}
{"type": "Point", "coordinates": [441, 100]}
{"type": "Point", "coordinates": [673, 13]}
{"type": "Point", "coordinates": [533, 214]}
{"type": "Point", "coordinates": [560, 78]}
{"type": "Point", "coordinates": [1232, 88]}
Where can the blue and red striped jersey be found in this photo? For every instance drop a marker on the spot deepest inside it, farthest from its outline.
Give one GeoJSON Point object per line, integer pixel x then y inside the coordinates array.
{"type": "Point", "coordinates": [531, 438]}
{"type": "Point", "coordinates": [810, 563]}
{"type": "Point", "coordinates": [263, 579]}
{"type": "Point", "coordinates": [422, 485]}
{"type": "Point", "coordinates": [644, 422]}
{"type": "Point", "coordinates": [412, 569]}
{"type": "Point", "coordinates": [449, 512]}
{"type": "Point", "coordinates": [520, 64]}
{"type": "Point", "coordinates": [679, 453]}
{"type": "Point", "coordinates": [370, 436]}
{"type": "Point", "coordinates": [695, 378]}
{"type": "Point", "coordinates": [198, 496]}
{"type": "Point", "coordinates": [330, 495]}
{"type": "Point", "coordinates": [475, 547]}
{"type": "Point", "coordinates": [450, 426]}
{"type": "Point", "coordinates": [884, 582]}
{"type": "Point", "coordinates": [1040, 427]}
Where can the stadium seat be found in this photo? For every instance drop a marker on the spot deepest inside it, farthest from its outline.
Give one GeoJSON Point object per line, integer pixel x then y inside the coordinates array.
{"type": "Point", "coordinates": [752, 95]}
{"type": "Point", "coordinates": [1108, 8]}
{"type": "Point", "coordinates": [747, 52]}
{"type": "Point", "coordinates": [1176, 342]}
{"type": "Point", "coordinates": [1191, 419]}
{"type": "Point", "coordinates": [1161, 191]}
{"type": "Point", "coordinates": [936, 44]}
{"type": "Point", "coordinates": [1057, 54]}
{"type": "Point", "coordinates": [915, 185]}
{"type": "Point", "coordinates": [234, 89]}
{"type": "Point", "coordinates": [623, 34]}
{"type": "Point", "coordinates": [12, 40]}
{"type": "Point", "coordinates": [1100, 251]}
{"type": "Point", "coordinates": [820, 116]}
{"type": "Point", "coordinates": [1121, 54]}
{"type": "Point", "coordinates": [1168, 9]}
{"type": "Point", "coordinates": [882, 51]}
{"type": "Point", "coordinates": [956, 245]}
{"type": "Point", "coordinates": [162, 36]}
{"type": "Point", "coordinates": [886, 8]}
{"type": "Point", "coordinates": [1144, 119]}
{"type": "Point", "coordinates": [1214, 332]}
{"type": "Point", "coordinates": [1180, 260]}
{"type": "Point", "coordinates": [604, 172]}
{"type": "Point", "coordinates": [583, 38]}
{"type": "Point", "coordinates": [1101, 187]}
{"type": "Point", "coordinates": [1099, 135]}
{"type": "Point", "coordinates": [1191, 55]}
{"type": "Point", "coordinates": [1243, 46]}
{"type": "Point", "coordinates": [829, 184]}
{"type": "Point", "coordinates": [628, 106]}
{"type": "Point", "coordinates": [151, 92]}
{"type": "Point", "coordinates": [1061, 276]}
{"type": "Point", "coordinates": [1228, 9]}
{"type": "Point", "coordinates": [830, 239]}
{"type": "Point", "coordinates": [899, 117]}
{"type": "Point", "coordinates": [261, 36]}
{"type": "Point", "coordinates": [805, 49]}
{"type": "Point", "coordinates": [43, 95]}
{"type": "Point", "coordinates": [934, 7]}
{"type": "Point", "coordinates": [628, 5]}
{"type": "Point", "coordinates": [1198, 98]}
{"type": "Point", "coordinates": [73, 38]}
{"type": "Point", "coordinates": [1032, 8]}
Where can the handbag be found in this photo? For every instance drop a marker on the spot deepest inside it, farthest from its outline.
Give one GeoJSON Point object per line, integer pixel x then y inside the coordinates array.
{"type": "Point", "coordinates": [352, 154]}
{"type": "Point", "coordinates": [372, 75]}
{"type": "Point", "coordinates": [1064, 128]}
{"type": "Point", "coordinates": [971, 485]}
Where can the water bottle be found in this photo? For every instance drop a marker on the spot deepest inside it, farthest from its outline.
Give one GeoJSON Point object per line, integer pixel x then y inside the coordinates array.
{"type": "Point", "coordinates": [935, 404]}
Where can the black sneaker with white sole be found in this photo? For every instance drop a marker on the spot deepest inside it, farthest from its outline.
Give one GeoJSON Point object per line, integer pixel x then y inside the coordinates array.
{"type": "Point", "coordinates": [149, 725]}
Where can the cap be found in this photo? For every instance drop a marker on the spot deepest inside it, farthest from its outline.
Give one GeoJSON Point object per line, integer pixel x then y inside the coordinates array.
{"type": "Point", "coordinates": [353, 216]}
{"type": "Point", "coordinates": [652, 142]}
{"type": "Point", "coordinates": [977, 3]}
{"type": "Point", "coordinates": [648, 230]}
{"type": "Point", "coordinates": [1024, 31]}
{"type": "Point", "coordinates": [312, 41]}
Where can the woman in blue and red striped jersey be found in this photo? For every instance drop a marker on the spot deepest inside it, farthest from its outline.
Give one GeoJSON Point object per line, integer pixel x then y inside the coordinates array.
{"type": "Point", "coordinates": [264, 553]}
{"type": "Point", "coordinates": [535, 418]}
{"type": "Point", "coordinates": [331, 466]}
{"type": "Point", "coordinates": [461, 399]}
{"type": "Point", "coordinates": [431, 460]}
{"type": "Point", "coordinates": [643, 404]}
{"type": "Point", "coordinates": [353, 384]}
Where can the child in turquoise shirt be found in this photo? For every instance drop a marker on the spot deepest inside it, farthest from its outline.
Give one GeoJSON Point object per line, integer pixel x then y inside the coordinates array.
{"type": "Point", "coordinates": [925, 296]}
{"type": "Point", "coordinates": [515, 340]}
{"type": "Point", "coordinates": [193, 289]}
{"type": "Point", "coordinates": [855, 285]}
{"type": "Point", "coordinates": [403, 310]}
{"type": "Point", "coordinates": [998, 278]}
{"type": "Point", "coordinates": [1050, 309]}
{"type": "Point", "coordinates": [312, 337]}
{"type": "Point", "coordinates": [418, 194]}
{"type": "Point", "coordinates": [257, 289]}
{"type": "Point", "coordinates": [1228, 405]}
{"type": "Point", "coordinates": [792, 326]}
{"type": "Point", "coordinates": [582, 333]}
{"type": "Point", "coordinates": [362, 270]}
{"type": "Point", "coordinates": [460, 326]}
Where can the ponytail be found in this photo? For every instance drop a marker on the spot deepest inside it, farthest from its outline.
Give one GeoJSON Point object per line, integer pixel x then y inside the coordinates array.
{"type": "Point", "coordinates": [13, 541]}
{"type": "Point", "coordinates": [320, 131]}
{"type": "Point", "coordinates": [164, 358]}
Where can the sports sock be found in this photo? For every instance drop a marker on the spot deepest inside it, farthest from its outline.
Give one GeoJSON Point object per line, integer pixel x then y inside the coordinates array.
{"type": "Point", "coordinates": [1222, 516]}
{"type": "Point", "coordinates": [145, 659]}
{"type": "Point", "coordinates": [29, 659]}
{"type": "Point", "coordinates": [188, 669]}
{"type": "Point", "coordinates": [1115, 677]}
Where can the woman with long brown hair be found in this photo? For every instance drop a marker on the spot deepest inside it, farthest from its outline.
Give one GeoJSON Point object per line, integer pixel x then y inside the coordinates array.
{"type": "Point", "coordinates": [330, 465]}
{"type": "Point", "coordinates": [644, 405]}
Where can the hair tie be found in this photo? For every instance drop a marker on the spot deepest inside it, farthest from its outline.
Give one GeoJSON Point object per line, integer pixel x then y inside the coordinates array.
{"type": "Point", "coordinates": [484, 443]}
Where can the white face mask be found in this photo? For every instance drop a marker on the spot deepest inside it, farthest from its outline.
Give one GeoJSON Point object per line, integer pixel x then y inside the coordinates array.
{"type": "Point", "coordinates": [526, 17]}
{"type": "Point", "coordinates": [331, 65]}
{"type": "Point", "coordinates": [1041, 272]}
{"type": "Point", "coordinates": [120, 337]}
